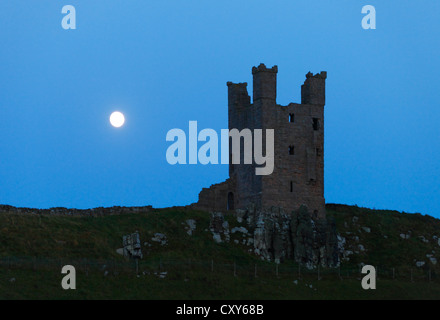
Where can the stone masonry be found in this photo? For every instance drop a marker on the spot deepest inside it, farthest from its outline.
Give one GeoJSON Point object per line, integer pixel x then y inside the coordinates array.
{"type": "Point", "coordinates": [298, 176]}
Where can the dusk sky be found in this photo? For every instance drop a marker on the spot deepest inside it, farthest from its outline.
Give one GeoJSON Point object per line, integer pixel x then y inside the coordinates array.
{"type": "Point", "coordinates": [165, 63]}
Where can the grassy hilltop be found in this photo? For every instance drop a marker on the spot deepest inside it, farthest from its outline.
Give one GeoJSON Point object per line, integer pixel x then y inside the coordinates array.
{"type": "Point", "coordinates": [33, 248]}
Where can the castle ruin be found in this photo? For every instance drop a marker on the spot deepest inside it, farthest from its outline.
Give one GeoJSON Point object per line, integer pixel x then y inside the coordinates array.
{"type": "Point", "coordinates": [298, 175]}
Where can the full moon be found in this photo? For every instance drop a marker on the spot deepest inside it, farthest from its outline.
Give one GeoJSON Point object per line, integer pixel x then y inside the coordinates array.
{"type": "Point", "coordinates": [117, 119]}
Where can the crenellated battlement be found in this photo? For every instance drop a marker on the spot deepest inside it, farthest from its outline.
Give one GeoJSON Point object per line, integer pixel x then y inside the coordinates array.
{"type": "Point", "coordinates": [238, 95]}
{"type": "Point", "coordinates": [262, 68]}
{"type": "Point", "coordinates": [313, 89]}
{"type": "Point", "coordinates": [265, 83]}
{"type": "Point", "coordinates": [321, 75]}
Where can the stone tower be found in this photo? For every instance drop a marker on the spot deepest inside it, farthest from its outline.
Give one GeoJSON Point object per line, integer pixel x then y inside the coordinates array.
{"type": "Point", "coordinates": [298, 175]}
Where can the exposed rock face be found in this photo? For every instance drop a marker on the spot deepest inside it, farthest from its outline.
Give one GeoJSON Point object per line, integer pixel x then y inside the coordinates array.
{"type": "Point", "coordinates": [278, 235]}
{"type": "Point", "coordinates": [219, 227]}
{"type": "Point", "coordinates": [160, 238]}
{"type": "Point", "coordinates": [190, 226]}
{"type": "Point", "coordinates": [132, 246]}
{"type": "Point", "coordinates": [314, 241]}
{"type": "Point", "coordinates": [272, 238]}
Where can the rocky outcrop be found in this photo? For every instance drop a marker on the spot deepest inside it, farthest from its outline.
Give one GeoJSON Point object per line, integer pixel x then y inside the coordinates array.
{"type": "Point", "coordinates": [132, 246]}
{"type": "Point", "coordinates": [272, 236]}
{"type": "Point", "coordinates": [278, 235]}
{"type": "Point", "coordinates": [313, 241]}
{"type": "Point", "coordinates": [190, 226]}
{"type": "Point", "coordinates": [219, 227]}
{"type": "Point", "coordinates": [160, 238]}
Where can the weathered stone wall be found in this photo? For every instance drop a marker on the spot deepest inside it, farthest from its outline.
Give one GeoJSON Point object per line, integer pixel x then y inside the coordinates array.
{"type": "Point", "coordinates": [100, 211]}
{"type": "Point", "coordinates": [298, 176]}
{"type": "Point", "coordinates": [242, 115]}
{"type": "Point", "coordinates": [215, 198]}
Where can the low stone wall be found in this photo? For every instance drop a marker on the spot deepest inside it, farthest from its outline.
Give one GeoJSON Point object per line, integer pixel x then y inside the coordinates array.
{"type": "Point", "coordinates": [100, 211]}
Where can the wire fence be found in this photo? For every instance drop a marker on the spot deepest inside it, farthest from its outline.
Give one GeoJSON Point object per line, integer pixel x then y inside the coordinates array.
{"type": "Point", "coordinates": [182, 268]}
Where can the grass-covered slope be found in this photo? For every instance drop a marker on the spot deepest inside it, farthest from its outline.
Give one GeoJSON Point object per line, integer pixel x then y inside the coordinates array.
{"type": "Point", "coordinates": [99, 237]}
{"type": "Point", "coordinates": [34, 247]}
{"type": "Point", "coordinates": [389, 238]}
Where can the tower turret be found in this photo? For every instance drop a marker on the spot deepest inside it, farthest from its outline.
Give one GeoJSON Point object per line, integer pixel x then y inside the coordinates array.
{"type": "Point", "coordinates": [313, 89]}
{"type": "Point", "coordinates": [264, 82]}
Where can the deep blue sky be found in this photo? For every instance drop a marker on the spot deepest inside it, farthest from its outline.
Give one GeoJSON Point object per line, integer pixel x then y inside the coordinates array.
{"type": "Point", "coordinates": [163, 63]}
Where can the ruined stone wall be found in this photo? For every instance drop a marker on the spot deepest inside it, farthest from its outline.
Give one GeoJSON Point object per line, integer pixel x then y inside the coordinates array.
{"type": "Point", "coordinates": [94, 212]}
{"type": "Point", "coordinates": [242, 115]}
{"type": "Point", "coordinates": [215, 198]}
{"type": "Point", "coordinates": [298, 176]}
